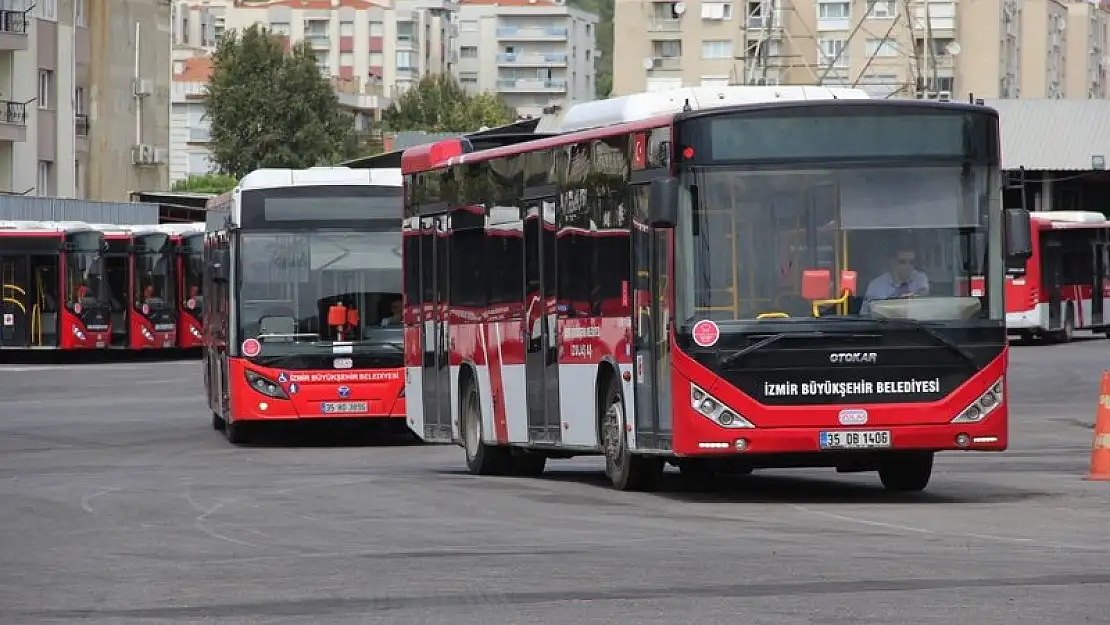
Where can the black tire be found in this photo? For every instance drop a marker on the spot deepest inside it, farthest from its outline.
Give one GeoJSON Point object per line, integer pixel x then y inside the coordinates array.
{"type": "Point", "coordinates": [481, 459]}
{"type": "Point", "coordinates": [907, 474]}
{"type": "Point", "coordinates": [237, 433]}
{"type": "Point", "coordinates": [626, 470]}
{"type": "Point", "coordinates": [218, 422]}
{"type": "Point", "coordinates": [1066, 333]}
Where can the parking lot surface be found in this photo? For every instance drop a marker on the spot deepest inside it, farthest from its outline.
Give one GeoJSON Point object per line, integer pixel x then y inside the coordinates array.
{"type": "Point", "coordinates": [122, 505]}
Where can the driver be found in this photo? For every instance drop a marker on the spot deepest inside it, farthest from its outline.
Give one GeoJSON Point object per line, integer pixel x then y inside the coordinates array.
{"type": "Point", "coordinates": [395, 317]}
{"type": "Point", "coordinates": [902, 280]}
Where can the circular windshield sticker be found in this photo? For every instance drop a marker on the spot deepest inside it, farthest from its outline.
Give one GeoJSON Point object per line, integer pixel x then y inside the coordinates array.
{"type": "Point", "coordinates": [77, 308]}
{"type": "Point", "coordinates": [706, 333]}
{"type": "Point", "coordinates": [190, 303]}
{"type": "Point", "coordinates": [146, 309]}
{"type": "Point", "coordinates": [251, 348]}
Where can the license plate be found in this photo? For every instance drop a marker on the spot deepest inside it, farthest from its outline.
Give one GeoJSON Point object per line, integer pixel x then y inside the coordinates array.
{"type": "Point", "coordinates": [855, 439]}
{"type": "Point", "coordinates": [344, 407]}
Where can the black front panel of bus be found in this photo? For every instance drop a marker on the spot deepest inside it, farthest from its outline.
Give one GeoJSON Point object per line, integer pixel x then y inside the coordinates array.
{"type": "Point", "coordinates": [903, 365]}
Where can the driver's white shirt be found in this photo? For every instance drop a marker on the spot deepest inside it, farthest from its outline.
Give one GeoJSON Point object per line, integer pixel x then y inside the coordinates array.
{"type": "Point", "coordinates": [886, 287]}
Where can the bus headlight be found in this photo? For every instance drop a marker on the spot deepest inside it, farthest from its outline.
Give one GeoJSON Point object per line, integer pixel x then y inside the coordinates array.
{"type": "Point", "coordinates": [715, 410]}
{"type": "Point", "coordinates": [982, 406]}
{"type": "Point", "coordinates": [265, 385]}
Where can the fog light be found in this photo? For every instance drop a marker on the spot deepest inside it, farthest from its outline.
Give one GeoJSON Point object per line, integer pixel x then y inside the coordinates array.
{"type": "Point", "coordinates": [741, 444]}
{"type": "Point", "coordinates": [963, 440]}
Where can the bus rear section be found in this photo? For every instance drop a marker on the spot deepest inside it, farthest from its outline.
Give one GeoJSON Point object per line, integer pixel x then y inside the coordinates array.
{"type": "Point", "coordinates": [308, 265]}
{"type": "Point", "coordinates": [809, 280]}
{"type": "Point", "coordinates": [52, 295]}
{"type": "Point", "coordinates": [1065, 285]}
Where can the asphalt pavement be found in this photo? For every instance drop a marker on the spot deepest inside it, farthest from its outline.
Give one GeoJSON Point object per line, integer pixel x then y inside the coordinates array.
{"type": "Point", "coordinates": [120, 504]}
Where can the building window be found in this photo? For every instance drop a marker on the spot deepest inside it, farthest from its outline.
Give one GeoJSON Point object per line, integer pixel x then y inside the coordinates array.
{"type": "Point", "coordinates": [832, 51]}
{"type": "Point", "coordinates": [716, 49]}
{"type": "Point", "coordinates": [346, 29]}
{"type": "Point", "coordinates": [43, 186]}
{"type": "Point", "coordinates": [834, 10]}
{"type": "Point", "coordinates": [716, 10]}
{"type": "Point", "coordinates": [404, 60]}
{"type": "Point", "coordinates": [881, 47]}
{"type": "Point", "coordinates": [280, 28]}
{"type": "Point", "coordinates": [881, 9]}
{"type": "Point", "coordinates": [46, 88]}
{"type": "Point", "coordinates": [346, 59]}
{"type": "Point", "coordinates": [468, 52]}
{"type": "Point", "coordinates": [77, 178]}
{"type": "Point", "coordinates": [468, 26]}
{"type": "Point", "coordinates": [79, 101]}
{"type": "Point", "coordinates": [48, 9]}
{"type": "Point", "coordinates": [468, 78]}
{"type": "Point", "coordinates": [79, 13]}
{"type": "Point", "coordinates": [377, 29]}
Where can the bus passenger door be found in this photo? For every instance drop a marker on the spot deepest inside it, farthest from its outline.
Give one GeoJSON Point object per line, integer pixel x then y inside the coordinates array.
{"type": "Point", "coordinates": [1052, 277]}
{"type": "Point", "coordinates": [437, 381]}
{"type": "Point", "coordinates": [650, 270]}
{"type": "Point", "coordinates": [16, 301]}
{"type": "Point", "coordinates": [536, 333]}
{"type": "Point", "coordinates": [1098, 283]}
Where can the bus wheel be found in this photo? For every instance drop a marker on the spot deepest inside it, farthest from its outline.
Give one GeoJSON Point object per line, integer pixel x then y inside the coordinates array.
{"type": "Point", "coordinates": [905, 473]}
{"type": "Point", "coordinates": [626, 470]}
{"type": "Point", "coordinates": [481, 459]}
{"type": "Point", "coordinates": [218, 422]}
{"type": "Point", "coordinates": [237, 433]}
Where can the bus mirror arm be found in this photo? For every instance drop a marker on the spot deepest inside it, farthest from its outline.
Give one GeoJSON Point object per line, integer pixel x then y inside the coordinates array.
{"type": "Point", "coordinates": [663, 202]}
{"type": "Point", "coordinates": [1018, 241]}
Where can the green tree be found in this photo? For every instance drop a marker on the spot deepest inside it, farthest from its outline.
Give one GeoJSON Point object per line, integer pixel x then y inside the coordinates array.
{"type": "Point", "coordinates": [206, 183]}
{"type": "Point", "coordinates": [270, 108]}
{"type": "Point", "coordinates": [438, 103]}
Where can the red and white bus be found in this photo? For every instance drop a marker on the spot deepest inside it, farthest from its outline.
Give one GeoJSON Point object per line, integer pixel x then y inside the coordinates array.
{"type": "Point", "coordinates": [701, 286]}
{"type": "Point", "coordinates": [302, 286]}
{"type": "Point", "coordinates": [1065, 285]}
{"type": "Point", "coordinates": [187, 241]}
{"type": "Point", "coordinates": [52, 294]}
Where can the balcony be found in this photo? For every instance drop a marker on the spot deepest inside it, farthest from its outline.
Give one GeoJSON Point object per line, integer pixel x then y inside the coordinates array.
{"type": "Point", "coordinates": [533, 60]}
{"type": "Point", "coordinates": [199, 134]}
{"type": "Point", "coordinates": [666, 63]}
{"type": "Point", "coordinates": [407, 73]}
{"type": "Point", "coordinates": [13, 30]}
{"type": "Point", "coordinates": [531, 86]}
{"type": "Point", "coordinates": [760, 25]}
{"type": "Point", "coordinates": [532, 34]}
{"type": "Point", "coordinates": [13, 121]}
{"type": "Point", "coordinates": [318, 41]}
{"type": "Point", "coordinates": [407, 43]}
{"type": "Point", "coordinates": [660, 25]}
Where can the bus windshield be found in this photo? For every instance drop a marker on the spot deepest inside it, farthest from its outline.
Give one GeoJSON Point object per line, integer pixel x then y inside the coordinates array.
{"type": "Point", "coordinates": [917, 239]}
{"type": "Point", "coordinates": [299, 291]}
{"type": "Point", "coordinates": [193, 270]}
{"type": "Point", "coordinates": [153, 280]}
{"type": "Point", "coordinates": [84, 285]}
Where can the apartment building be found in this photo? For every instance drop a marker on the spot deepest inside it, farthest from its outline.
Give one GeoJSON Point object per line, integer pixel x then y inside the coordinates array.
{"type": "Point", "coordinates": [891, 48]}
{"type": "Point", "coordinates": [534, 53]}
{"type": "Point", "coordinates": [70, 119]}
{"type": "Point", "coordinates": [385, 46]}
{"type": "Point", "coordinates": [189, 154]}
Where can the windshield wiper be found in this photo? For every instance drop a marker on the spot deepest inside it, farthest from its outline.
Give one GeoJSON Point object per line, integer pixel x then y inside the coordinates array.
{"type": "Point", "coordinates": [736, 357]}
{"type": "Point", "coordinates": [917, 325]}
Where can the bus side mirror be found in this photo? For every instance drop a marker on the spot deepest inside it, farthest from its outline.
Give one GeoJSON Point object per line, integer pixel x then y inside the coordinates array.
{"type": "Point", "coordinates": [219, 267]}
{"type": "Point", "coordinates": [1018, 243]}
{"type": "Point", "coordinates": [663, 203]}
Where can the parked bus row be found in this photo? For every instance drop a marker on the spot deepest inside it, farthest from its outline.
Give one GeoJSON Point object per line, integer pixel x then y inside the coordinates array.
{"type": "Point", "coordinates": [83, 286]}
